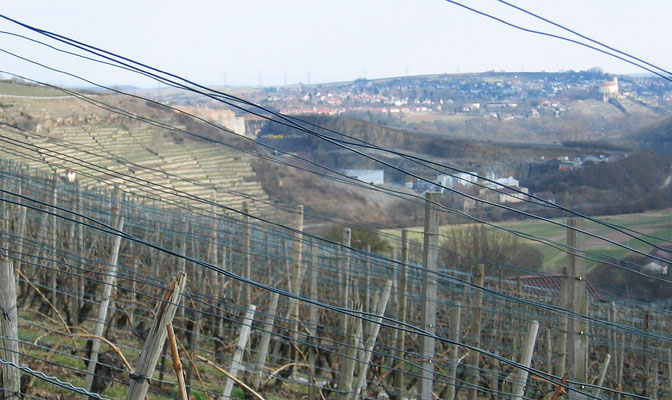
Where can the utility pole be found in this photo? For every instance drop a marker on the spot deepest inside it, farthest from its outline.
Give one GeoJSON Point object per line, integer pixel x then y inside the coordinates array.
{"type": "Point", "coordinates": [430, 259]}
{"type": "Point", "coordinates": [577, 328]}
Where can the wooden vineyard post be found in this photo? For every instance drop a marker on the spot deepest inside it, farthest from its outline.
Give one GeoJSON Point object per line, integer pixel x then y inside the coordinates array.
{"type": "Point", "coordinates": [401, 315]}
{"type": "Point", "coordinates": [577, 328]}
{"type": "Point", "coordinates": [247, 267]}
{"type": "Point", "coordinates": [621, 361]}
{"type": "Point", "coordinates": [80, 250]}
{"type": "Point", "coordinates": [613, 336]}
{"type": "Point", "coordinates": [669, 372]}
{"type": "Point", "coordinates": [74, 282]}
{"type": "Point", "coordinates": [650, 363]}
{"type": "Point", "coordinates": [221, 290]}
{"type": "Point", "coordinates": [197, 315]}
{"type": "Point", "coordinates": [348, 360]}
{"type": "Point", "coordinates": [430, 258]}
{"type": "Point", "coordinates": [42, 235]}
{"type": "Point", "coordinates": [72, 270]}
{"type": "Point", "coordinates": [134, 289]}
{"type": "Point", "coordinates": [367, 271]}
{"type": "Point", "coordinates": [372, 336]}
{"type": "Point", "coordinates": [654, 384]}
{"type": "Point", "coordinates": [497, 335]}
{"type": "Point", "coordinates": [212, 277]}
{"type": "Point", "coordinates": [345, 331]}
{"type": "Point", "coordinates": [603, 374]}
{"type": "Point", "coordinates": [549, 351]}
{"type": "Point", "coordinates": [4, 220]}
{"type": "Point", "coordinates": [165, 311]}
{"type": "Point", "coordinates": [296, 282]}
{"type": "Point", "coordinates": [240, 349]}
{"type": "Point", "coordinates": [177, 363]}
{"type": "Point", "coordinates": [521, 380]}
{"type": "Point", "coordinates": [181, 262]}
{"type": "Point", "coordinates": [313, 316]}
{"type": "Point", "coordinates": [54, 254]}
{"type": "Point", "coordinates": [455, 326]}
{"type": "Point", "coordinates": [262, 351]}
{"type": "Point", "coordinates": [22, 234]}
{"type": "Point", "coordinates": [110, 279]}
{"type": "Point", "coordinates": [475, 334]}
{"type": "Point", "coordinates": [9, 329]}
{"type": "Point", "coordinates": [561, 347]}
{"type": "Point", "coordinates": [344, 275]}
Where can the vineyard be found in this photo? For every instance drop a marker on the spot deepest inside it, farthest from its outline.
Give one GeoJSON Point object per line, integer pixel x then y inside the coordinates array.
{"type": "Point", "coordinates": [290, 315]}
{"type": "Point", "coordinates": [141, 257]}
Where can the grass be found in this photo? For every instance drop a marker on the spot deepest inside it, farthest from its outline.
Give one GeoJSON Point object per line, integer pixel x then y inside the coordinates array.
{"type": "Point", "coordinates": [655, 223]}
{"type": "Point", "coordinates": [70, 368]}
{"type": "Point", "coordinates": [12, 89]}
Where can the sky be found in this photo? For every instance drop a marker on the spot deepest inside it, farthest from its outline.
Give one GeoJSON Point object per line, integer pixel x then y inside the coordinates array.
{"type": "Point", "coordinates": [273, 42]}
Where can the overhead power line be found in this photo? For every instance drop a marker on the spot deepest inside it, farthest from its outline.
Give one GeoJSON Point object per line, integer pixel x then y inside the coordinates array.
{"type": "Point", "coordinates": [566, 39]}
{"type": "Point", "coordinates": [563, 27]}
{"type": "Point", "coordinates": [365, 316]}
{"type": "Point", "coordinates": [471, 197]}
{"type": "Point", "coordinates": [52, 209]}
{"type": "Point", "coordinates": [336, 142]}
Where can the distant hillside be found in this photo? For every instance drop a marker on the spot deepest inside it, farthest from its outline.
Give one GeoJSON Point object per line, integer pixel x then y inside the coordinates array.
{"type": "Point", "coordinates": [656, 137]}
{"type": "Point", "coordinates": [441, 147]}
{"type": "Point", "coordinates": [634, 184]}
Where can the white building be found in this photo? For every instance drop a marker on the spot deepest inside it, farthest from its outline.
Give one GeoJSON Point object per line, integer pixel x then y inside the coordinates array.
{"type": "Point", "coordinates": [372, 176]}
{"type": "Point", "coordinates": [445, 181]}
{"type": "Point", "coordinates": [608, 89]}
{"type": "Point", "coordinates": [510, 182]}
{"type": "Point", "coordinates": [460, 178]}
{"type": "Point", "coordinates": [466, 178]}
{"type": "Point", "coordinates": [656, 266]}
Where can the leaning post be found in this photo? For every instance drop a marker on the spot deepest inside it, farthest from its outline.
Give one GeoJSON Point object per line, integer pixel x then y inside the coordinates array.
{"type": "Point", "coordinates": [110, 281]}
{"type": "Point", "coordinates": [165, 312]}
{"type": "Point", "coordinates": [521, 380]}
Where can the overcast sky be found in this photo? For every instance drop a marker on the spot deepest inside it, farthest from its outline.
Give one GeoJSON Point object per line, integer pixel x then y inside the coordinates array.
{"type": "Point", "coordinates": [245, 42]}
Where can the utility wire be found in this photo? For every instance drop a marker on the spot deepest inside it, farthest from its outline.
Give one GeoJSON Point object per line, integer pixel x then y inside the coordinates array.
{"type": "Point", "coordinates": [468, 216]}
{"type": "Point", "coordinates": [521, 234]}
{"type": "Point", "coordinates": [339, 143]}
{"type": "Point", "coordinates": [512, 25]}
{"type": "Point", "coordinates": [563, 27]}
{"type": "Point", "coordinates": [52, 379]}
{"type": "Point", "coordinates": [219, 95]}
{"type": "Point", "coordinates": [357, 314]}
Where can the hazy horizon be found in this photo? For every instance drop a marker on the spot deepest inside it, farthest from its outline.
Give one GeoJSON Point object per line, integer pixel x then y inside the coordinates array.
{"type": "Point", "coordinates": [270, 43]}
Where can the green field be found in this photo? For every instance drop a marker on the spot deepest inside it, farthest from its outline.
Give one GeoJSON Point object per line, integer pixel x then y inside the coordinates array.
{"type": "Point", "coordinates": [10, 89]}
{"type": "Point", "coordinates": [655, 223]}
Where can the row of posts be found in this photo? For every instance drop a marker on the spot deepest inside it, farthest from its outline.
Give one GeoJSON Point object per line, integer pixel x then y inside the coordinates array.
{"type": "Point", "coordinates": [574, 299]}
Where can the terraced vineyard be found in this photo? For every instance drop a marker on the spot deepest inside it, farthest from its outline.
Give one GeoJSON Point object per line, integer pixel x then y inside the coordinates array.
{"type": "Point", "coordinates": [67, 134]}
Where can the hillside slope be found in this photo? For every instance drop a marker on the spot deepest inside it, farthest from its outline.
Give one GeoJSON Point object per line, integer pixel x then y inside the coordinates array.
{"type": "Point", "coordinates": [655, 138]}
{"type": "Point", "coordinates": [469, 151]}
{"type": "Point", "coordinates": [105, 149]}
{"type": "Point", "coordinates": [634, 184]}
